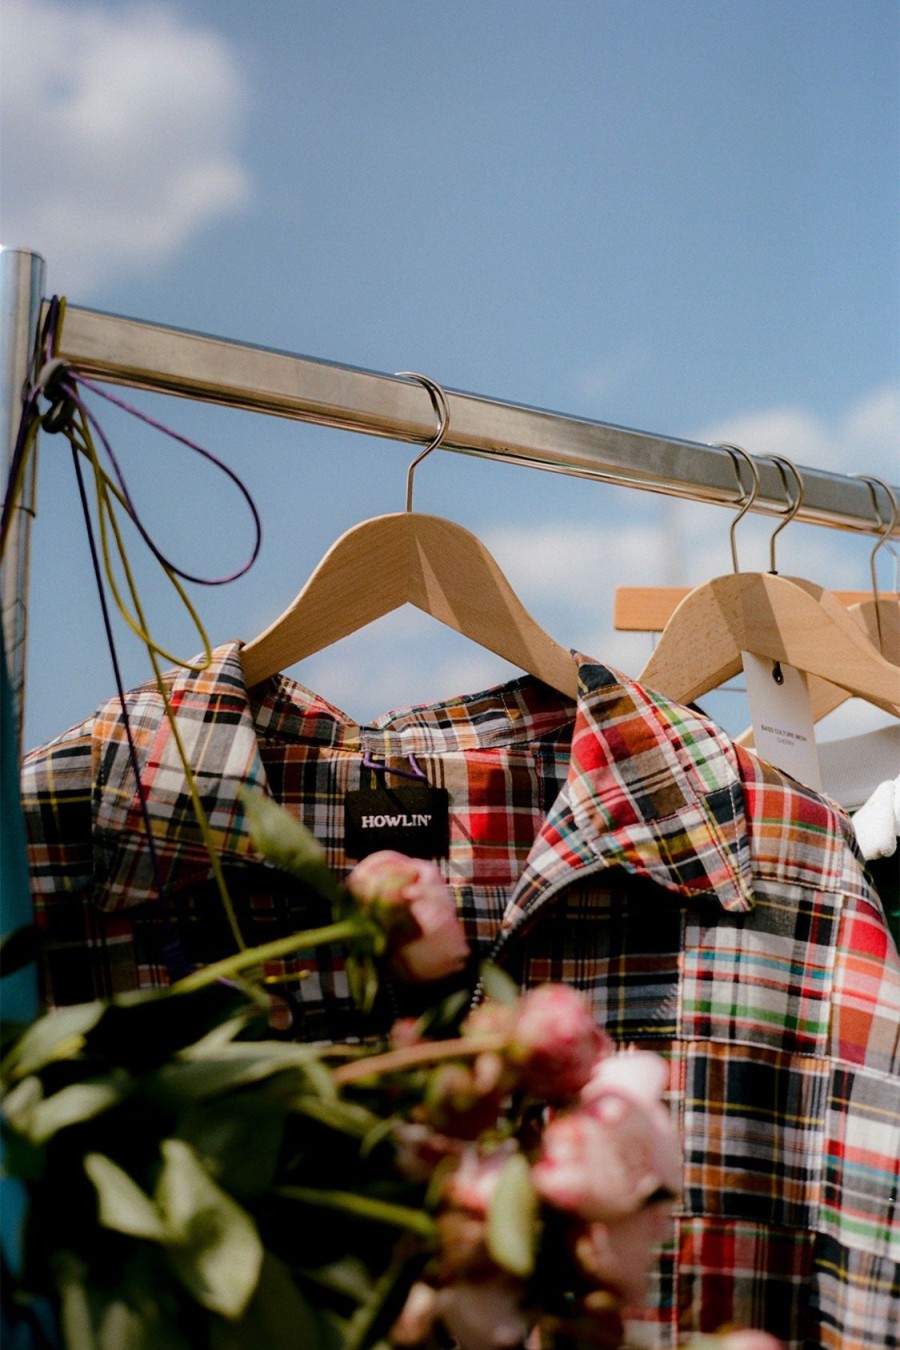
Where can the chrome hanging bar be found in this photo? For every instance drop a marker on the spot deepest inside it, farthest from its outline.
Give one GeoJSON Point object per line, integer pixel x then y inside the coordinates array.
{"type": "Point", "coordinates": [21, 294]}
{"type": "Point", "coordinates": [146, 355]}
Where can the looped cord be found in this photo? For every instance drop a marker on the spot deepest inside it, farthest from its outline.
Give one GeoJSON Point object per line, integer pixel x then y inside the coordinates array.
{"type": "Point", "coordinates": [69, 415]}
{"type": "Point", "coordinates": [380, 767]}
{"type": "Point", "coordinates": [191, 445]}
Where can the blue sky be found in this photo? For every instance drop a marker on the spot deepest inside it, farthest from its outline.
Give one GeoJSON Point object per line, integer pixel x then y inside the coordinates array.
{"type": "Point", "coordinates": [676, 215]}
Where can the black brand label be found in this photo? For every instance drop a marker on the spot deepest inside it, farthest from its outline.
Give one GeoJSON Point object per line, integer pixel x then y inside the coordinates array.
{"type": "Point", "coordinates": [411, 820]}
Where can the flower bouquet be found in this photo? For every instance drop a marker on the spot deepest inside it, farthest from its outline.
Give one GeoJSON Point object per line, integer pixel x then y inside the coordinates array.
{"type": "Point", "coordinates": [493, 1173]}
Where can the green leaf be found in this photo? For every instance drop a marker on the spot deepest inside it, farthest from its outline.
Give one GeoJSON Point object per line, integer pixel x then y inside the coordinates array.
{"type": "Point", "coordinates": [382, 1306]}
{"type": "Point", "coordinates": [209, 1073]}
{"type": "Point", "coordinates": [348, 1277]}
{"type": "Point", "coordinates": [123, 1206]}
{"type": "Point", "coordinates": [238, 1140]}
{"type": "Point", "coordinates": [497, 985]}
{"type": "Point", "coordinates": [218, 1253]}
{"type": "Point", "coordinates": [511, 1236]}
{"type": "Point", "coordinates": [56, 1035]}
{"type": "Point", "coordinates": [347, 1117]}
{"type": "Point", "coordinates": [287, 843]}
{"type": "Point", "coordinates": [74, 1104]}
{"type": "Point", "coordinates": [278, 1318]}
{"type": "Point", "coordinates": [19, 949]}
{"type": "Point", "coordinates": [76, 1322]}
{"type": "Point", "coordinates": [224, 1034]}
{"type": "Point", "coordinates": [20, 1102]}
{"type": "Point", "coordinates": [141, 1311]}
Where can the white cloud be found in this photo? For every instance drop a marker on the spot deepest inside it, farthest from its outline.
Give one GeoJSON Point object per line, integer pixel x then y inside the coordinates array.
{"type": "Point", "coordinates": [867, 436]}
{"type": "Point", "coordinates": [608, 374]}
{"type": "Point", "coordinates": [120, 131]}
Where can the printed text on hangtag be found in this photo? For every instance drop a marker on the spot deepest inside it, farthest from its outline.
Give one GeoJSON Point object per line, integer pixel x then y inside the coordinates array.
{"type": "Point", "coordinates": [781, 714]}
{"type": "Point", "coordinates": [413, 820]}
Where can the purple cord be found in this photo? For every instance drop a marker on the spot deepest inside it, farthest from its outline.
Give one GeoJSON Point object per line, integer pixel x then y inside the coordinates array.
{"type": "Point", "coordinates": [370, 763]}
{"type": "Point", "coordinates": [68, 384]}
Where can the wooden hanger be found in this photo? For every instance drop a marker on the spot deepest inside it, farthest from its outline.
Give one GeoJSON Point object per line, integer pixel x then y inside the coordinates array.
{"type": "Point", "coordinates": [783, 619]}
{"type": "Point", "coordinates": [883, 627]}
{"type": "Point", "coordinates": [880, 619]}
{"type": "Point", "coordinates": [647, 609]}
{"type": "Point", "coordinates": [422, 560]}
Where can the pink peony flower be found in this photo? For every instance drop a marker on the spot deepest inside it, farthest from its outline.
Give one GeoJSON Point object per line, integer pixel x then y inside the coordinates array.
{"type": "Point", "coordinates": [616, 1256]}
{"type": "Point", "coordinates": [484, 1315]}
{"type": "Point", "coordinates": [414, 1325]}
{"type": "Point", "coordinates": [556, 1041]}
{"type": "Point", "coordinates": [409, 895]}
{"type": "Point", "coordinates": [471, 1186]}
{"type": "Point", "coordinates": [604, 1160]}
{"type": "Point", "coordinates": [639, 1077]}
{"type": "Point", "coordinates": [420, 1150]}
{"type": "Point", "coordinates": [466, 1197]}
{"type": "Point", "coordinates": [465, 1099]}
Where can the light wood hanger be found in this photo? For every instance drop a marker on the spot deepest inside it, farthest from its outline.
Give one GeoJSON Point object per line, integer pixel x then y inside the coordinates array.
{"type": "Point", "coordinates": [423, 560]}
{"type": "Point", "coordinates": [787, 620]}
{"type": "Point", "coordinates": [880, 620]}
{"type": "Point", "coordinates": [647, 609]}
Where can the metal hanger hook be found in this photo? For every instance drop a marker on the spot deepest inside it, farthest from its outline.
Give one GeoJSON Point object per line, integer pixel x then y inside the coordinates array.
{"type": "Point", "coordinates": [794, 504]}
{"type": "Point", "coordinates": [886, 528]}
{"type": "Point", "coordinates": [746, 499]}
{"type": "Point", "coordinates": [441, 412]}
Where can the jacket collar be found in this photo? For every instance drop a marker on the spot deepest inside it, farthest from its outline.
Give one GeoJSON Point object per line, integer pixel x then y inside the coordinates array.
{"type": "Point", "coordinates": [652, 787]}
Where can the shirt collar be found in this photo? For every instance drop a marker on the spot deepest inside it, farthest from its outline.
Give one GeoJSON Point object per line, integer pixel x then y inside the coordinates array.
{"type": "Point", "coordinates": [218, 735]}
{"type": "Point", "coordinates": [652, 787]}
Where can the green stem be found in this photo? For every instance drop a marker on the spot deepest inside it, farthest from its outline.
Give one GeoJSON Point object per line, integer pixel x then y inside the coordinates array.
{"type": "Point", "coordinates": [364, 1207]}
{"type": "Point", "coordinates": [408, 1056]}
{"type": "Point", "coordinates": [269, 951]}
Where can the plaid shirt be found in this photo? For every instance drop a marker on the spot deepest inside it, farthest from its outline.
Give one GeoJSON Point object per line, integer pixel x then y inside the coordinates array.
{"type": "Point", "coordinates": [712, 908]}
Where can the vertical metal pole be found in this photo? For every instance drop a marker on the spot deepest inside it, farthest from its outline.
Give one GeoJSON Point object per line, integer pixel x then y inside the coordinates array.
{"type": "Point", "coordinates": [21, 292]}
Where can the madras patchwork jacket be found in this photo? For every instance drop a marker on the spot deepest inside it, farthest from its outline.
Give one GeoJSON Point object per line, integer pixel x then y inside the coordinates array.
{"type": "Point", "coordinates": [713, 909]}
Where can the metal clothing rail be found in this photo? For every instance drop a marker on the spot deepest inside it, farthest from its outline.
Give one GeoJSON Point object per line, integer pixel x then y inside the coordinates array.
{"type": "Point", "coordinates": [194, 365]}
{"type": "Point", "coordinates": [149, 356]}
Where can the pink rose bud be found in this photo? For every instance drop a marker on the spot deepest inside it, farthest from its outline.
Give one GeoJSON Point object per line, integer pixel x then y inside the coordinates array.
{"type": "Point", "coordinates": [411, 898]}
{"type": "Point", "coordinates": [556, 1041]}
{"type": "Point", "coordinates": [601, 1163]}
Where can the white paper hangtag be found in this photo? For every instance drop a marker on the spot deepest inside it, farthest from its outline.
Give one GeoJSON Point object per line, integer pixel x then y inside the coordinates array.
{"type": "Point", "coordinates": [783, 729]}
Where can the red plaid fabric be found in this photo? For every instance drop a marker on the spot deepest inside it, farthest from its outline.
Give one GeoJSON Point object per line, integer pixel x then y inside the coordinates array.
{"type": "Point", "coordinates": [713, 910]}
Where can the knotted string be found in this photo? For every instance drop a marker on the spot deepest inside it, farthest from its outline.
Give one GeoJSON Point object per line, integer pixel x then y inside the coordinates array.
{"type": "Point", "coordinates": [30, 419]}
